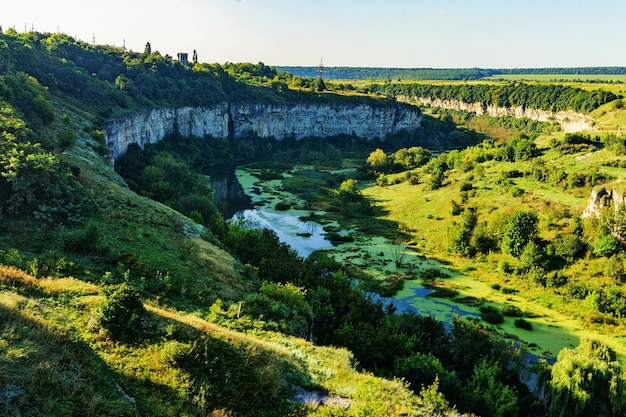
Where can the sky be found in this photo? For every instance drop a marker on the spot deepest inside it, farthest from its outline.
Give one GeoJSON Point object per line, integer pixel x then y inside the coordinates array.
{"type": "Point", "coordinates": [352, 33]}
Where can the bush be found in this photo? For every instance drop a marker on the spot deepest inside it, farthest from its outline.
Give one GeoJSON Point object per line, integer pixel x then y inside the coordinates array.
{"type": "Point", "coordinates": [84, 240]}
{"type": "Point", "coordinates": [606, 245]}
{"type": "Point", "coordinates": [512, 311]}
{"type": "Point", "coordinates": [568, 247]}
{"type": "Point", "coordinates": [523, 324]}
{"type": "Point", "coordinates": [509, 290]}
{"type": "Point", "coordinates": [282, 206]}
{"type": "Point", "coordinates": [122, 313]}
{"type": "Point", "coordinates": [270, 175]}
{"type": "Point", "coordinates": [442, 292]}
{"type": "Point", "coordinates": [614, 268]}
{"type": "Point", "coordinates": [491, 315]}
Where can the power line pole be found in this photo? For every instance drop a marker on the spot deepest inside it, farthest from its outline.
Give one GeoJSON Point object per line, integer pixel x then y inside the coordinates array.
{"type": "Point", "coordinates": [320, 70]}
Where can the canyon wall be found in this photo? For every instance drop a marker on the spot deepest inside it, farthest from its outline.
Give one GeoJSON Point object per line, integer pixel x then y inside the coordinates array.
{"type": "Point", "coordinates": [240, 120]}
{"type": "Point", "coordinates": [570, 121]}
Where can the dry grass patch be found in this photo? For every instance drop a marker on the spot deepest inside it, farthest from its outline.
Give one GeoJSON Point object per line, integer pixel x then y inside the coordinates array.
{"type": "Point", "coordinates": [11, 275]}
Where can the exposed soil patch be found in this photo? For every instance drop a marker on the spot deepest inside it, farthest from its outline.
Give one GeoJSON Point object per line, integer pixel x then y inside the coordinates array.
{"type": "Point", "coordinates": [316, 398]}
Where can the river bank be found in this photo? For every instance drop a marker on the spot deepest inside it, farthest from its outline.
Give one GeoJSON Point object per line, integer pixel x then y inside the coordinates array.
{"type": "Point", "coordinates": [384, 259]}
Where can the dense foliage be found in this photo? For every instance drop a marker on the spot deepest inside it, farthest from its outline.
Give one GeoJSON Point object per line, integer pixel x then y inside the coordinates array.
{"type": "Point", "coordinates": [461, 366]}
{"type": "Point", "coordinates": [544, 97]}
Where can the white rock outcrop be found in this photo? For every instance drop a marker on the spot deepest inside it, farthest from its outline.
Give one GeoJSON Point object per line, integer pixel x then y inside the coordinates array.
{"type": "Point", "coordinates": [240, 120]}
{"type": "Point", "coordinates": [150, 126]}
{"type": "Point", "coordinates": [601, 199]}
{"type": "Point", "coordinates": [570, 121]}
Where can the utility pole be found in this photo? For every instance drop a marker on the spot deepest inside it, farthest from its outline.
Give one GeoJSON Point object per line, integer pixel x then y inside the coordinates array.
{"type": "Point", "coordinates": [320, 70]}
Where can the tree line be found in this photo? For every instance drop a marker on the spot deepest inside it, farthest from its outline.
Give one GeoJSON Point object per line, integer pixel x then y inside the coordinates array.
{"type": "Point", "coordinates": [543, 97]}
{"type": "Point", "coordinates": [369, 73]}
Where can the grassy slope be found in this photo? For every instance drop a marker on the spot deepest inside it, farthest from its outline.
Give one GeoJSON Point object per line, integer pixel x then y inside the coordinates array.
{"type": "Point", "coordinates": [428, 212]}
{"type": "Point", "coordinates": [52, 362]}
{"type": "Point", "coordinates": [55, 365]}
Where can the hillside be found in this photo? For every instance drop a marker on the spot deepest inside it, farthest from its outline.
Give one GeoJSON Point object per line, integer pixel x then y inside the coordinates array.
{"type": "Point", "coordinates": [124, 292]}
{"type": "Point", "coordinates": [110, 300]}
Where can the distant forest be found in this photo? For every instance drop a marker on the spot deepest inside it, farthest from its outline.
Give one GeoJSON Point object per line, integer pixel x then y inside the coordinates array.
{"type": "Point", "coordinates": [367, 73]}
{"type": "Point", "coordinates": [546, 97]}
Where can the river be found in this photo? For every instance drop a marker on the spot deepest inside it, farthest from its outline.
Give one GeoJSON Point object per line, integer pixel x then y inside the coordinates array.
{"type": "Point", "coordinates": [240, 195]}
{"type": "Point", "coordinates": [256, 210]}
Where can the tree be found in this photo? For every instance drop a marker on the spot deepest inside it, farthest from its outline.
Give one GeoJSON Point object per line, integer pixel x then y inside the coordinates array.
{"type": "Point", "coordinates": [349, 191]}
{"type": "Point", "coordinates": [519, 230]}
{"type": "Point", "coordinates": [532, 256]}
{"type": "Point", "coordinates": [378, 160]}
{"type": "Point", "coordinates": [462, 242]}
{"type": "Point", "coordinates": [148, 49]}
{"type": "Point", "coordinates": [587, 381]}
{"type": "Point", "coordinates": [320, 85]}
{"type": "Point", "coordinates": [436, 179]}
{"type": "Point", "coordinates": [194, 57]}
{"type": "Point", "coordinates": [491, 397]}
{"type": "Point", "coordinates": [412, 157]}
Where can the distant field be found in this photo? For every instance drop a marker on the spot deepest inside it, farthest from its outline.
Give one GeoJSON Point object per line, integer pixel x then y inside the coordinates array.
{"type": "Point", "coordinates": [586, 82]}
{"type": "Point", "coordinates": [604, 78]}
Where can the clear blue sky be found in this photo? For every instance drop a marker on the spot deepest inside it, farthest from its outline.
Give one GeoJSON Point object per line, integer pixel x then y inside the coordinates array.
{"type": "Point", "coordinates": [374, 33]}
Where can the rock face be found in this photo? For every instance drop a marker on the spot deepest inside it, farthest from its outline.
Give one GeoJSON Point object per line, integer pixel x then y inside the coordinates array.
{"type": "Point", "coordinates": [150, 126]}
{"type": "Point", "coordinates": [598, 200]}
{"type": "Point", "coordinates": [570, 121]}
{"type": "Point", "coordinates": [240, 120]}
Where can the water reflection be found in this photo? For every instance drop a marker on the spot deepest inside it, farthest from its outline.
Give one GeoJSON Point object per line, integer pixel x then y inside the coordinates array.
{"type": "Point", "coordinates": [304, 237]}
{"type": "Point", "coordinates": [228, 194]}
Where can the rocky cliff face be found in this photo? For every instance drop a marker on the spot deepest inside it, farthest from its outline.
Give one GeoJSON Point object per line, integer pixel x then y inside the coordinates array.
{"type": "Point", "coordinates": [150, 126]}
{"type": "Point", "coordinates": [239, 120]}
{"type": "Point", "coordinates": [570, 121]}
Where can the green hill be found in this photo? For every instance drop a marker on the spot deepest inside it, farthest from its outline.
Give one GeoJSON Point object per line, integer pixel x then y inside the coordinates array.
{"type": "Point", "coordinates": [114, 303]}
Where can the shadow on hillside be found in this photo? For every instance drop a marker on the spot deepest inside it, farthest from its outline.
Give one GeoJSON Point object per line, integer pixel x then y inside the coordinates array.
{"type": "Point", "coordinates": [46, 373]}
{"type": "Point", "coordinates": [43, 372]}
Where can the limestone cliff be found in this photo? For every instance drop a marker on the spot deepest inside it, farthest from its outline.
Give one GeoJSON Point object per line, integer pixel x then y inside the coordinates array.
{"type": "Point", "coordinates": [570, 121]}
{"type": "Point", "coordinates": [240, 120]}
{"type": "Point", "coordinates": [598, 200]}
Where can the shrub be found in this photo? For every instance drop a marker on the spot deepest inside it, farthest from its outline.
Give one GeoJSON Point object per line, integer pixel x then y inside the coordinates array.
{"type": "Point", "coordinates": [442, 292]}
{"type": "Point", "coordinates": [85, 240]}
{"type": "Point", "coordinates": [523, 324]}
{"type": "Point", "coordinates": [282, 206]}
{"type": "Point", "coordinates": [606, 245]}
{"type": "Point", "coordinates": [512, 311]}
{"type": "Point", "coordinates": [556, 279]}
{"type": "Point", "coordinates": [491, 315]}
{"type": "Point", "coordinates": [270, 175]}
{"type": "Point", "coordinates": [568, 247]}
{"type": "Point", "coordinates": [509, 290]}
{"type": "Point", "coordinates": [614, 268]}
{"type": "Point", "coordinates": [413, 178]}
{"type": "Point", "coordinates": [66, 139]}
{"type": "Point", "coordinates": [122, 313]}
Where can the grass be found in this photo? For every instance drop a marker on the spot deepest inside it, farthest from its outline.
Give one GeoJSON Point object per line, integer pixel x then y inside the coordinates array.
{"type": "Point", "coordinates": [426, 215]}
{"type": "Point", "coordinates": [52, 362]}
